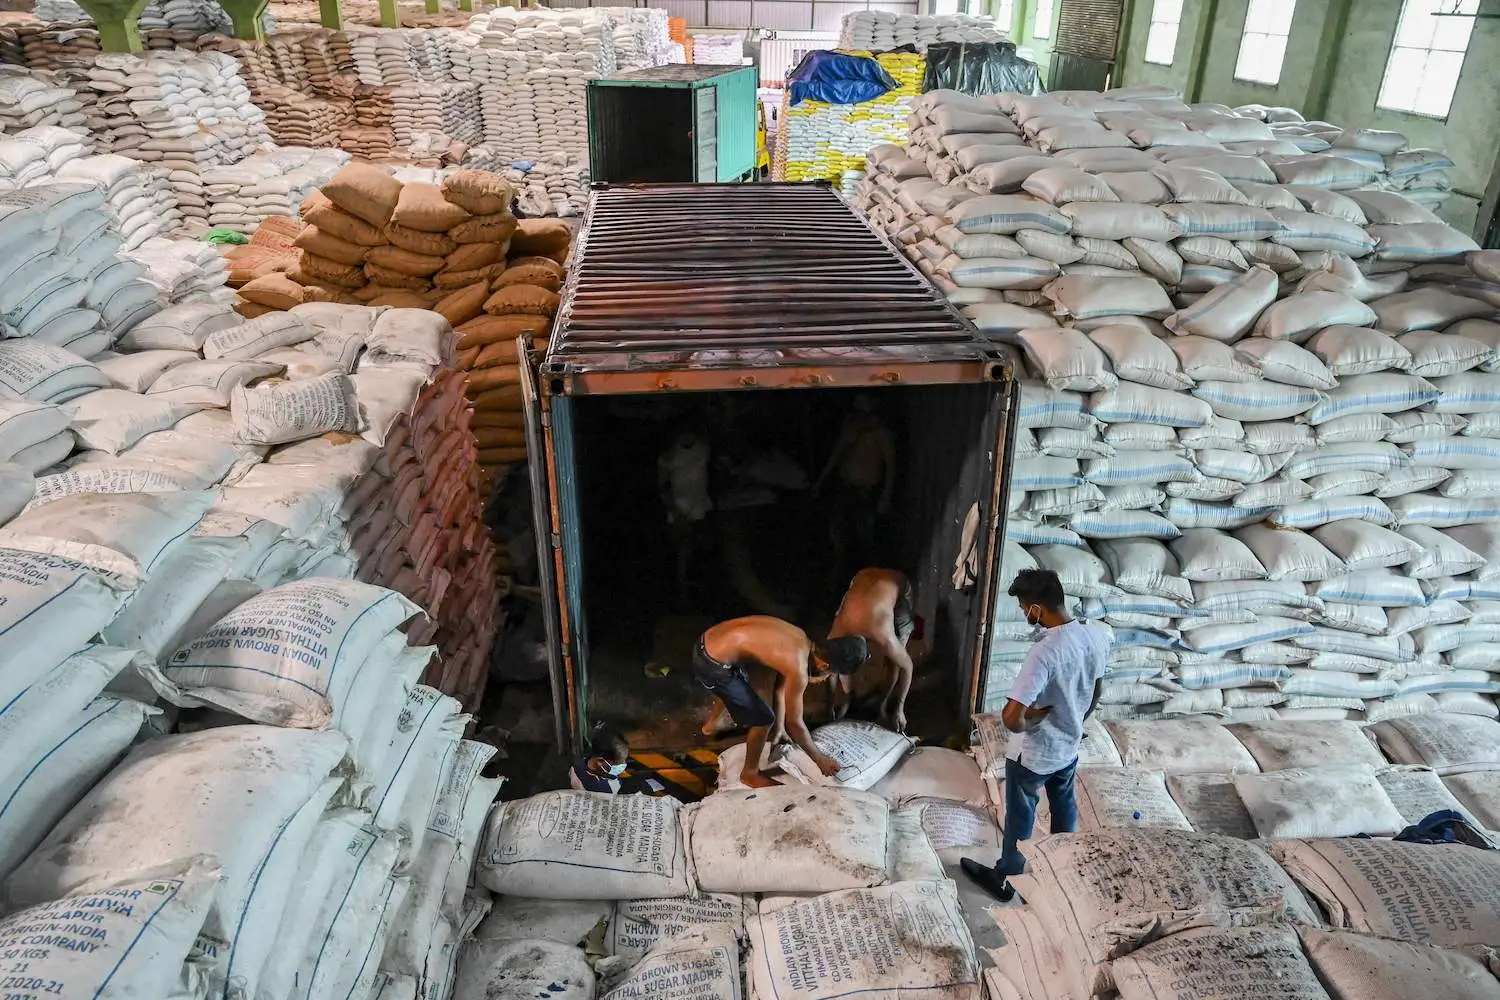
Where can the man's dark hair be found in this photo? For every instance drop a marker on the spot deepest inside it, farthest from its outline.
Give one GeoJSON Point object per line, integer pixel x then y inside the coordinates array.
{"type": "Point", "coordinates": [606, 742]}
{"type": "Point", "coordinates": [1038, 586]}
{"type": "Point", "coordinates": [845, 654]}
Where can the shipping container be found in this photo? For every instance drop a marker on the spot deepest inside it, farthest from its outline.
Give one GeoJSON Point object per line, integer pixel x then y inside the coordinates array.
{"type": "Point", "coordinates": [673, 124]}
{"type": "Point", "coordinates": [756, 318]}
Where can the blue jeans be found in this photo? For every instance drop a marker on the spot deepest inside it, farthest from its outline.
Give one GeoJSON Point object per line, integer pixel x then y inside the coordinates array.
{"type": "Point", "coordinates": [1023, 787]}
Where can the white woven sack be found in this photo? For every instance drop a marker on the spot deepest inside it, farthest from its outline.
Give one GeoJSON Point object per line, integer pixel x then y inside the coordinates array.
{"type": "Point", "coordinates": [1134, 403]}
{"type": "Point", "coordinates": [1126, 798]}
{"type": "Point", "coordinates": [1266, 962]}
{"type": "Point", "coordinates": [787, 839]}
{"type": "Point", "coordinates": [1211, 804]}
{"type": "Point", "coordinates": [1332, 800]}
{"type": "Point", "coordinates": [577, 845]}
{"type": "Point", "coordinates": [1066, 359]}
{"type": "Point", "coordinates": [281, 412]}
{"type": "Point", "coordinates": [788, 955]}
{"type": "Point", "coordinates": [1449, 744]}
{"type": "Point", "coordinates": [1285, 362]}
{"type": "Point", "coordinates": [1356, 966]}
{"type": "Point", "coordinates": [183, 327]}
{"type": "Point", "coordinates": [864, 752]}
{"type": "Point", "coordinates": [1290, 554]}
{"type": "Point", "coordinates": [1228, 312]}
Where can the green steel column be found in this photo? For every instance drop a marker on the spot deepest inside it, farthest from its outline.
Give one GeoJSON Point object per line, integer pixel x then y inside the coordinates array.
{"type": "Point", "coordinates": [1201, 39]}
{"type": "Point", "coordinates": [1122, 43]}
{"type": "Point", "coordinates": [118, 22]}
{"type": "Point", "coordinates": [465, 4]}
{"type": "Point", "coordinates": [390, 17]}
{"type": "Point", "coordinates": [331, 14]}
{"type": "Point", "coordinates": [246, 16]}
{"type": "Point", "coordinates": [1330, 47]}
{"type": "Point", "coordinates": [434, 6]}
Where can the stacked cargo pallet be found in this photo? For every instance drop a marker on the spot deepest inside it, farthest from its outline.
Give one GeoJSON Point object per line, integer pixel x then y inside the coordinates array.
{"type": "Point", "coordinates": [1257, 435]}
{"type": "Point", "coordinates": [883, 31]}
{"type": "Point", "coordinates": [821, 141]}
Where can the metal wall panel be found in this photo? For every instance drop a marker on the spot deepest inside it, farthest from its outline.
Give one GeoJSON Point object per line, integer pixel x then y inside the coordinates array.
{"type": "Point", "coordinates": [826, 16]}
{"type": "Point", "coordinates": [1089, 28]}
{"type": "Point", "coordinates": [694, 12]}
{"type": "Point", "coordinates": [786, 15]}
{"type": "Point", "coordinates": [729, 13]}
{"type": "Point", "coordinates": [895, 8]}
{"type": "Point", "coordinates": [778, 55]}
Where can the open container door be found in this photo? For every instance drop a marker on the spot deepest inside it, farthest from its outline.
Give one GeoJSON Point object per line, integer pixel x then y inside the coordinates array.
{"type": "Point", "coordinates": [566, 704]}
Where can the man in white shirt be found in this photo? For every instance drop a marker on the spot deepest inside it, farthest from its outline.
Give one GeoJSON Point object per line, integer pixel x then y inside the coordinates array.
{"type": "Point", "coordinates": [1057, 690]}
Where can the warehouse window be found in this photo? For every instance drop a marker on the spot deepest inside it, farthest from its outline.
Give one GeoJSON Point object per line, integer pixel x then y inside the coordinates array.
{"type": "Point", "coordinates": [1427, 55]}
{"type": "Point", "coordinates": [1005, 15]}
{"type": "Point", "coordinates": [1263, 45]}
{"type": "Point", "coordinates": [1161, 41]}
{"type": "Point", "coordinates": [1043, 26]}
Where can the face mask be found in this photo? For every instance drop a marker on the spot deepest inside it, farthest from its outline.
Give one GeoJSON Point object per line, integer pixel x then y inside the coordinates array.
{"type": "Point", "coordinates": [1035, 621]}
{"type": "Point", "coordinates": [615, 770]}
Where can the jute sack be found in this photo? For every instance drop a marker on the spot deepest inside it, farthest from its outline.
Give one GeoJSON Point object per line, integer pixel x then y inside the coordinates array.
{"type": "Point", "coordinates": [1250, 963]}
{"type": "Point", "coordinates": [890, 942]}
{"type": "Point", "coordinates": [542, 236]}
{"type": "Point", "coordinates": [404, 261]}
{"type": "Point", "coordinates": [1279, 745]}
{"type": "Point", "coordinates": [318, 210]}
{"type": "Point", "coordinates": [253, 310]}
{"type": "Point", "coordinates": [464, 359]}
{"type": "Point", "coordinates": [1449, 744]}
{"type": "Point", "coordinates": [274, 291]}
{"type": "Point", "coordinates": [698, 964]}
{"type": "Point", "coordinates": [472, 255]}
{"type": "Point", "coordinates": [546, 263]}
{"type": "Point", "coordinates": [431, 244]}
{"type": "Point", "coordinates": [501, 456]}
{"type": "Point", "coordinates": [463, 305]}
{"type": "Point", "coordinates": [787, 839]}
{"type": "Point", "coordinates": [528, 274]}
{"type": "Point", "coordinates": [395, 279]}
{"type": "Point", "coordinates": [398, 298]}
{"type": "Point", "coordinates": [1111, 892]}
{"type": "Point", "coordinates": [639, 925]}
{"type": "Point", "coordinates": [457, 279]}
{"type": "Point", "coordinates": [578, 845]}
{"type": "Point", "coordinates": [1358, 967]}
{"type": "Point", "coordinates": [1447, 895]}
{"type": "Point", "coordinates": [514, 299]}
{"type": "Point", "coordinates": [423, 207]}
{"type": "Point", "coordinates": [482, 379]}
{"type": "Point", "coordinates": [1212, 804]}
{"type": "Point", "coordinates": [498, 228]}
{"type": "Point", "coordinates": [498, 418]}
{"type": "Point", "coordinates": [506, 397]}
{"type": "Point", "coordinates": [330, 272]}
{"type": "Point", "coordinates": [479, 192]}
{"type": "Point", "coordinates": [315, 240]}
{"type": "Point", "coordinates": [501, 352]}
{"type": "Point", "coordinates": [365, 192]}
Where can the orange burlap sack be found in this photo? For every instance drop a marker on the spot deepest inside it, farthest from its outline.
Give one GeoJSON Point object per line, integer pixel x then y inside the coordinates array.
{"type": "Point", "coordinates": [543, 237]}
{"type": "Point", "coordinates": [479, 192]}
{"type": "Point", "coordinates": [528, 274]}
{"type": "Point", "coordinates": [423, 207]}
{"type": "Point", "coordinates": [314, 240]}
{"type": "Point", "coordinates": [431, 244]}
{"type": "Point", "coordinates": [501, 456]}
{"type": "Point", "coordinates": [481, 379]}
{"type": "Point", "coordinates": [246, 263]}
{"type": "Point", "coordinates": [471, 255]}
{"type": "Point", "coordinates": [547, 264]}
{"type": "Point", "coordinates": [329, 272]}
{"type": "Point", "coordinates": [465, 358]}
{"type": "Point", "coordinates": [277, 232]}
{"type": "Point", "coordinates": [500, 437]}
{"type": "Point", "coordinates": [395, 279]}
{"type": "Point", "coordinates": [250, 310]}
{"type": "Point", "coordinates": [400, 300]}
{"type": "Point", "coordinates": [276, 291]}
{"type": "Point", "coordinates": [499, 418]}
{"type": "Point", "coordinates": [318, 211]}
{"type": "Point", "coordinates": [365, 192]}
{"type": "Point", "coordinates": [485, 229]}
{"type": "Point", "coordinates": [527, 299]}
{"type": "Point", "coordinates": [405, 262]}
{"type": "Point", "coordinates": [506, 397]}
{"type": "Point", "coordinates": [502, 352]}
{"type": "Point", "coordinates": [458, 279]}
{"type": "Point", "coordinates": [484, 330]}
{"type": "Point", "coordinates": [463, 305]}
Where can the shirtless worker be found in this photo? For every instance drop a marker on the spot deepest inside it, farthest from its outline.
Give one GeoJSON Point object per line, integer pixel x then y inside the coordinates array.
{"type": "Point", "coordinates": [720, 662]}
{"type": "Point", "coordinates": [877, 606]}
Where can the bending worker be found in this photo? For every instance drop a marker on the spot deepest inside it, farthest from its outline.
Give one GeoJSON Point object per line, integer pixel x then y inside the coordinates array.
{"type": "Point", "coordinates": [1056, 691]}
{"type": "Point", "coordinates": [720, 662]}
{"type": "Point", "coordinates": [877, 606]}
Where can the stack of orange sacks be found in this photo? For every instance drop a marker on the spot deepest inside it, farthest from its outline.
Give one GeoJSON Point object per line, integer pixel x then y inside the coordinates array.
{"type": "Point", "coordinates": [522, 303]}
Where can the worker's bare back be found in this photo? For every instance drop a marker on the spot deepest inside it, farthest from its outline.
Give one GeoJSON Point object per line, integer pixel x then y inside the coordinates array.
{"type": "Point", "coordinates": [771, 642]}
{"type": "Point", "coordinates": [869, 604]}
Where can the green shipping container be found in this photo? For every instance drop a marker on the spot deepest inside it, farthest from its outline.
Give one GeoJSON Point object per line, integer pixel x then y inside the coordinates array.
{"type": "Point", "coordinates": [673, 124]}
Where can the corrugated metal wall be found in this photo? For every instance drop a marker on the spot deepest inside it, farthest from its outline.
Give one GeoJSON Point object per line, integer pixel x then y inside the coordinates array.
{"type": "Point", "coordinates": [774, 15]}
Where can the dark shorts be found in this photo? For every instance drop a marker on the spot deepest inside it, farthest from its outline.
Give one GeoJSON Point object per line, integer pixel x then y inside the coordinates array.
{"type": "Point", "coordinates": [732, 686]}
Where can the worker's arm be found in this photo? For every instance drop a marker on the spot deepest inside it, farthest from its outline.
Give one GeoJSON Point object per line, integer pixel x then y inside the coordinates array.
{"type": "Point", "coordinates": [1019, 718]}
{"type": "Point", "coordinates": [1019, 715]}
{"type": "Point", "coordinates": [792, 690]}
{"type": "Point", "coordinates": [895, 699]}
{"type": "Point", "coordinates": [1098, 693]}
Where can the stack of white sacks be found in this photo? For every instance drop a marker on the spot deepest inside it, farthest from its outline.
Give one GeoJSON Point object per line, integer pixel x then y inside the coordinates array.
{"type": "Point", "coordinates": [31, 98]}
{"type": "Point", "coordinates": [180, 112]}
{"type": "Point", "coordinates": [188, 499]}
{"type": "Point", "coordinates": [191, 17]}
{"type": "Point", "coordinates": [1258, 432]}
{"type": "Point", "coordinates": [718, 50]}
{"type": "Point", "coordinates": [882, 31]}
{"type": "Point", "coordinates": [742, 894]}
{"type": "Point", "coordinates": [265, 184]}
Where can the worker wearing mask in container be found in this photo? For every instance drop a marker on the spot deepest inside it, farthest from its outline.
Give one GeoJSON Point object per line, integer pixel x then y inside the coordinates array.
{"type": "Point", "coordinates": [602, 768]}
{"type": "Point", "coordinates": [877, 606]}
{"type": "Point", "coordinates": [1056, 691]}
{"type": "Point", "coordinates": [721, 661]}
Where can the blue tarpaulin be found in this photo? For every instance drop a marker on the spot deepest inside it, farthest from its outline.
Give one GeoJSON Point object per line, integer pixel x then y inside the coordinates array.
{"type": "Point", "coordinates": [839, 78]}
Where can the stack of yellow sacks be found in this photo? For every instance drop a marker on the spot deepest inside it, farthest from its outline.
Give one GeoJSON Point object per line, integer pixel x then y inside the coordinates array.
{"type": "Point", "coordinates": [820, 141]}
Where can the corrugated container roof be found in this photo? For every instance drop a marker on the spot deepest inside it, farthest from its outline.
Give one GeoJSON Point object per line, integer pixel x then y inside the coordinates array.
{"type": "Point", "coordinates": [747, 276]}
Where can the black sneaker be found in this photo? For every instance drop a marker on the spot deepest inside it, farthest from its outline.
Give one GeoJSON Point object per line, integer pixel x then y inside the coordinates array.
{"type": "Point", "coordinates": [988, 879]}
